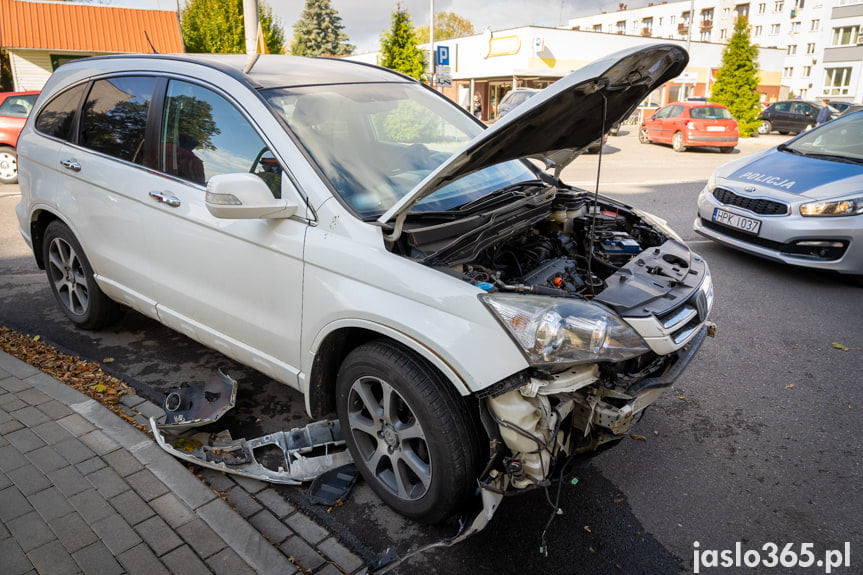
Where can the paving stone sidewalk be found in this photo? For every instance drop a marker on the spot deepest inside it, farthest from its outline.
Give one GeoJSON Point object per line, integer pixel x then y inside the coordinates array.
{"type": "Point", "coordinates": [82, 491]}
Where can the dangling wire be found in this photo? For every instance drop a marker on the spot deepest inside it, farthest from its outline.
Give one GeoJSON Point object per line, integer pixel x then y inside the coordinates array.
{"type": "Point", "coordinates": [590, 254]}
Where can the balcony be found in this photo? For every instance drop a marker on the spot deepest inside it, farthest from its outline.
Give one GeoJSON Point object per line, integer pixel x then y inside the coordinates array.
{"type": "Point", "coordinates": [706, 24]}
{"type": "Point", "coordinates": [646, 31]}
{"type": "Point", "coordinates": [682, 28]}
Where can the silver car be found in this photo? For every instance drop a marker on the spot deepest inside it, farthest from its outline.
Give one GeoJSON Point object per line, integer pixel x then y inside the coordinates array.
{"type": "Point", "coordinates": [800, 203]}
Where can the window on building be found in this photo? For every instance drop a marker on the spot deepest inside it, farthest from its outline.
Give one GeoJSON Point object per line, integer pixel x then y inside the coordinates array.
{"type": "Point", "coordinates": [795, 27]}
{"type": "Point", "coordinates": [788, 71]}
{"type": "Point", "coordinates": [807, 71]}
{"type": "Point", "coordinates": [799, 4]}
{"type": "Point", "coordinates": [810, 48]}
{"type": "Point", "coordinates": [742, 10]}
{"type": "Point", "coordinates": [725, 13]}
{"type": "Point", "coordinates": [791, 50]}
{"type": "Point", "coordinates": [705, 36]}
{"type": "Point", "coordinates": [723, 34]}
{"type": "Point", "coordinates": [597, 27]}
{"type": "Point", "coordinates": [672, 19]}
{"type": "Point", "coordinates": [762, 8]}
{"type": "Point", "coordinates": [774, 29]}
{"type": "Point", "coordinates": [778, 7]}
{"type": "Point", "coordinates": [685, 17]}
{"type": "Point", "coordinates": [837, 81]}
{"type": "Point", "coordinates": [845, 36]}
{"type": "Point", "coordinates": [757, 32]}
{"type": "Point", "coordinates": [647, 25]}
{"type": "Point", "coordinates": [621, 27]}
{"type": "Point", "coordinates": [816, 25]}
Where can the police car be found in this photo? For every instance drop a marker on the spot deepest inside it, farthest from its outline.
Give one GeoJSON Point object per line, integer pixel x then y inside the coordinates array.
{"type": "Point", "coordinates": [800, 203]}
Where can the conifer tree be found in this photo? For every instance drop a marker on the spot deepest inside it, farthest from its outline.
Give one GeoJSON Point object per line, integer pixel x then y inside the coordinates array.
{"type": "Point", "coordinates": [399, 49]}
{"type": "Point", "coordinates": [320, 32]}
{"type": "Point", "coordinates": [216, 27]}
{"type": "Point", "coordinates": [737, 80]}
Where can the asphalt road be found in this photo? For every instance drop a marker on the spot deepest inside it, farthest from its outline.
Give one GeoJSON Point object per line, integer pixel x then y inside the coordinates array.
{"type": "Point", "coordinates": [758, 442]}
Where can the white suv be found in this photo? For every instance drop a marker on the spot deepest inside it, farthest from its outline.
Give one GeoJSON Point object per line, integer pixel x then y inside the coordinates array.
{"type": "Point", "coordinates": [357, 236]}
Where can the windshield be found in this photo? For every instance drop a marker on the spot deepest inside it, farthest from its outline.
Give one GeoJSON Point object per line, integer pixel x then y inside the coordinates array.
{"type": "Point", "coordinates": [838, 138]}
{"type": "Point", "coordinates": [376, 142]}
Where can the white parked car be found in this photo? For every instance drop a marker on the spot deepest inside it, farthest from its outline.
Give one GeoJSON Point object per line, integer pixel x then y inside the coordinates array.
{"type": "Point", "coordinates": [357, 236]}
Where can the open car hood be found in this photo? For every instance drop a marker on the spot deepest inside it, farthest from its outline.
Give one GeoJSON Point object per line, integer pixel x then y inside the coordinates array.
{"type": "Point", "coordinates": [559, 122]}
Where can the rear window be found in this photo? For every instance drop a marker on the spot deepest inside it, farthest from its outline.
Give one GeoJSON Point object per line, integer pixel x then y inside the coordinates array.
{"type": "Point", "coordinates": [115, 117]}
{"type": "Point", "coordinates": [57, 116]}
{"type": "Point", "coordinates": [710, 113]}
{"type": "Point", "coordinates": [17, 106]}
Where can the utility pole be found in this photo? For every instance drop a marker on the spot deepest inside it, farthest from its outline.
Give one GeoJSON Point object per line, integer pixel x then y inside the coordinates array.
{"type": "Point", "coordinates": [431, 44]}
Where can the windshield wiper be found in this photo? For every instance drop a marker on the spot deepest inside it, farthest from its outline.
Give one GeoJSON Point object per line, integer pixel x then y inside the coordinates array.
{"type": "Point", "coordinates": [836, 158]}
{"type": "Point", "coordinates": [785, 148]}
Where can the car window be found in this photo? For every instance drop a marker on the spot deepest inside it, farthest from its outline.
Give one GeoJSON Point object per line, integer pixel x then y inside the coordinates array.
{"type": "Point", "coordinates": [662, 112]}
{"type": "Point", "coordinates": [57, 116]}
{"type": "Point", "coordinates": [782, 106]}
{"type": "Point", "coordinates": [802, 108]}
{"type": "Point", "coordinates": [17, 106]}
{"type": "Point", "coordinates": [710, 113]}
{"type": "Point", "coordinates": [204, 135]}
{"type": "Point", "coordinates": [114, 117]}
{"type": "Point", "coordinates": [837, 139]}
{"type": "Point", "coordinates": [674, 111]}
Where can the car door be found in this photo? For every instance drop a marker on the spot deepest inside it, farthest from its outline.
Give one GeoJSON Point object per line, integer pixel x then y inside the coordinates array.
{"type": "Point", "coordinates": [653, 123]}
{"type": "Point", "coordinates": [99, 174]}
{"type": "Point", "coordinates": [781, 116]}
{"type": "Point", "coordinates": [804, 116]}
{"type": "Point", "coordinates": [234, 285]}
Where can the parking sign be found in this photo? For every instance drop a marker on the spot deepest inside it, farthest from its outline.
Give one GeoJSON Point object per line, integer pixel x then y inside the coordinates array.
{"type": "Point", "coordinates": [443, 55]}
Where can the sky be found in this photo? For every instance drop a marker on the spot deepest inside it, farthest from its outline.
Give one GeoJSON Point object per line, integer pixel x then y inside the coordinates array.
{"type": "Point", "coordinates": [365, 20]}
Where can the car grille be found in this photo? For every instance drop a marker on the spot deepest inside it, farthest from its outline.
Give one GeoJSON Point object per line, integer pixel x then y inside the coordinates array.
{"type": "Point", "coordinates": [756, 205]}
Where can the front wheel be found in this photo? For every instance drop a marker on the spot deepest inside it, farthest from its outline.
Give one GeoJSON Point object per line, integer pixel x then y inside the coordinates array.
{"type": "Point", "coordinates": [410, 434]}
{"type": "Point", "coordinates": [642, 135]}
{"type": "Point", "coordinates": [8, 165]}
{"type": "Point", "coordinates": [677, 142]}
{"type": "Point", "coordinates": [765, 127]}
{"type": "Point", "coordinates": [71, 279]}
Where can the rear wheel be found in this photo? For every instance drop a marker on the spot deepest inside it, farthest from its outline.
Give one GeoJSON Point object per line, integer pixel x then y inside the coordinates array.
{"type": "Point", "coordinates": [8, 165]}
{"type": "Point", "coordinates": [726, 149]}
{"type": "Point", "coordinates": [677, 142]}
{"type": "Point", "coordinates": [765, 127]}
{"type": "Point", "coordinates": [71, 279]}
{"type": "Point", "coordinates": [409, 432]}
{"type": "Point", "coordinates": [642, 135]}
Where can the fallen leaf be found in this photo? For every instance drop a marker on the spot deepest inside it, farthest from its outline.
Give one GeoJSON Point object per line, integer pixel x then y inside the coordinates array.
{"type": "Point", "coordinates": [681, 398]}
{"type": "Point", "coordinates": [655, 432]}
{"type": "Point", "coordinates": [37, 337]}
{"type": "Point", "coordinates": [586, 528]}
{"type": "Point", "coordinates": [108, 360]}
{"type": "Point", "coordinates": [783, 407]}
{"type": "Point", "coordinates": [638, 437]}
{"type": "Point", "coordinates": [99, 388]}
{"type": "Point", "coordinates": [839, 346]}
{"type": "Point", "coordinates": [618, 500]}
{"type": "Point", "coordinates": [789, 386]}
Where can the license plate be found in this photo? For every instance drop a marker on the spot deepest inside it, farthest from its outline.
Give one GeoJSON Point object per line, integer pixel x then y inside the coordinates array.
{"type": "Point", "coordinates": [715, 128]}
{"type": "Point", "coordinates": [733, 220]}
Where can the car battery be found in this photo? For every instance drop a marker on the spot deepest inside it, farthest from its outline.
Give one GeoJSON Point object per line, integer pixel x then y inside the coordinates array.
{"type": "Point", "coordinates": [616, 248]}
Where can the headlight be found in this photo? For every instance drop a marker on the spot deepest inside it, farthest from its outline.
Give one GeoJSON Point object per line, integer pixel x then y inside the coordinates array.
{"type": "Point", "coordinates": [838, 208]}
{"type": "Point", "coordinates": [555, 331]}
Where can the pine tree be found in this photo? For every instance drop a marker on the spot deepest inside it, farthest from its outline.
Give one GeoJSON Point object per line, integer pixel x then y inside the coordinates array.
{"type": "Point", "coordinates": [399, 49]}
{"type": "Point", "coordinates": [320, 32]}
{"type": "Point", "coordinates": [216, 27]}
{"type": "Point", "coordinates": [737, 80]}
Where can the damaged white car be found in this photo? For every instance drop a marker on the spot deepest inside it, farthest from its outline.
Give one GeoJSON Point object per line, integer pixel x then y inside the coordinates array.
{"type": "Point", "coordinates": [470, 318]}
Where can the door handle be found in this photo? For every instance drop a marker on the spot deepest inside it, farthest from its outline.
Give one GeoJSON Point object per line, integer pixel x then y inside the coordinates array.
{"type": "Point", "coordinates": [71, 165]}
{"type": "Point", "coordinates": [172, 201]}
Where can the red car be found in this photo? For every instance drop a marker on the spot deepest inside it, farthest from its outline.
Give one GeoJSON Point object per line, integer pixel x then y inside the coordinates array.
{"type": "Point", "coordinates": [14, 109]}
{"type": "Point", "coordinates": [690, 124]}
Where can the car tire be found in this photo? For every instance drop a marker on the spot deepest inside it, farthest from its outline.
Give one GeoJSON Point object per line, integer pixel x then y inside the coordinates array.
{"type": "Point", "coordinates": [71, 279]}
{"type": "Point", "coordinates": [422, 457]}
{"type": "Point", "coordinates": [642, 135]}
{"type": "Point", "coordinates": [8, 165]}
{"type": "Point", "coordinates": [765, 127]}
{"type": "Point", "coordinates": [783, 132]}
{"type": "Point", "coordinates": [726, 149]}
{"type": "Point", "coordinates": [677, 142]}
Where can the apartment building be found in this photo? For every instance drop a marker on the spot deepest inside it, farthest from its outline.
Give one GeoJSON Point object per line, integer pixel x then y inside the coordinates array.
{"type": "Point", "coordinates": [819, 37]}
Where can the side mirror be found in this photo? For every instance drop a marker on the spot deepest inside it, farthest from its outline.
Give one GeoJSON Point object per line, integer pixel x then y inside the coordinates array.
{"type": "Point", "coordinates": [245, 196]}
